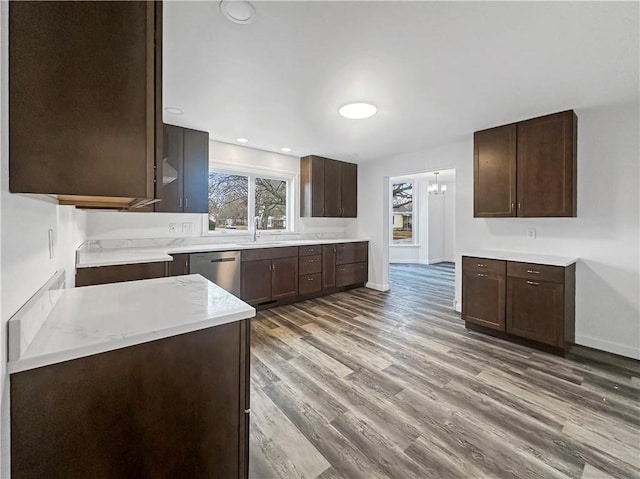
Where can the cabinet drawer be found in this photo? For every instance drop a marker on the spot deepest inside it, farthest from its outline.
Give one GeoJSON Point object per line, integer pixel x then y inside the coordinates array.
{"type": "Point", "coordinates": [484, 265]}
{"type": "Point", "coordinates": [535, 272]}
{"type": "Point", "coordinates": [255, 254]}
{"type": "Point", "coordinates": [310, 265]}
{"type": "Point", "coordinates": [310, 250]}
{"type": "Point", "coordinates": [310, 283]}
{"type": "Point", "coordinates": [285, 252]}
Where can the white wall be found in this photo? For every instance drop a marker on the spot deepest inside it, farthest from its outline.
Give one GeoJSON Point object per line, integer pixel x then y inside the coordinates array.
{"type": "Point", "coordinates": [132, 225]}
{"type": "Point", "coordinates": [604, 235]}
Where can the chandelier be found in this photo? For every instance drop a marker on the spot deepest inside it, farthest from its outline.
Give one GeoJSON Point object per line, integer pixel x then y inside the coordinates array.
{"type": "Point", "coordinates": [436, 188]}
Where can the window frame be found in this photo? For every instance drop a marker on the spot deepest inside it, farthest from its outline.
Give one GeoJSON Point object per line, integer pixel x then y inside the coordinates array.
{"type": "Point", "coordinates": [252, 173]}
{"type": "Point", "coordinates": [414, 209]}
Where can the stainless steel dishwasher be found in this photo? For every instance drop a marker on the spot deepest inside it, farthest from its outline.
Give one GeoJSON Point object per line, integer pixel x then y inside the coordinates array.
{"type": "Point", "coordinates": [221, 268]}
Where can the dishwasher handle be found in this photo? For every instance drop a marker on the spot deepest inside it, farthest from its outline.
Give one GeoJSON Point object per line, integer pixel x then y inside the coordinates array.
{"type": "Point", "coordinates": [222, 260]}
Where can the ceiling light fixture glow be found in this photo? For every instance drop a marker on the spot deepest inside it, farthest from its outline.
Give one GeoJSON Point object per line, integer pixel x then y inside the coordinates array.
{"type": "Point", "coordinates": [286, 149]}
{"type": "Point", "coordinates": [242, 140]}
{"type": "Point", "coordinates": [238, 11]}
{"type": "Point", "coordinates": [357, 111]}
{"type": "Point", "coordinates": [173, 110]}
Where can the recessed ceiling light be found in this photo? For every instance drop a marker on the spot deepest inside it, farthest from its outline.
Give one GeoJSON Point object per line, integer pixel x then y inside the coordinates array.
{"type": "Point", "coordinates": [242, 140]}
{"type": "Point", "coordinates": [238, 11]}
{"type": "Point", "coordinates": [173, 110]}
{"type": "Point", "coordinates": [357, 111]}
{"type": "Point", "coordinates": [286, 149]}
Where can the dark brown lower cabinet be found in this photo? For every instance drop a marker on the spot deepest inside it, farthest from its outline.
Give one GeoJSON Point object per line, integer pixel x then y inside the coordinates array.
{"type": "Point", "coordinates": [120, 273]}
{"type": "Point", "coordinates": [328, 266]}
{"type": "Point", "coordinates": [255, 281]}
{"type": "Point", "coordinates": [483, 299]}
{"type": "Point", "coordinates": [284, 277]}
{"type": "Point", "coordinates": [354, 273]}
{"type": "Point", "coordinates": [180, 264]}
{"type": "Point", "coordinates": [531, 301]}
{"type": "Point", "coordinates": [159, 409]}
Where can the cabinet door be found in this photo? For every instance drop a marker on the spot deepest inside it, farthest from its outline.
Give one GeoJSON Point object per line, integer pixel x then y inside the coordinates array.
{"type": "Point", "coordinates": [535, 310]}
{"type": "Point", "coordinates": [312, 186]}
{"type": "Point", "coordinates": [332, 189]}
{"type": "Point", "coordinates": [483, 299]}
{"type": "Point", "coordinates": [179, 265]}
{"type": "Point", "coordinates": [170, 170]}
{"type": "Point", "coordinates": [81, 89]}
{"type": "Point", "coordinates": [328, 266]}
{"type": "Point", "coordinates": [547, 166]}
{"type": "Point", "coordinates": [349, 189]}
{"type": "Point", "coordinates": [284, 277]}
{"type": "Point", "coordinates": [196, 171]}
{"type": "Point", "coordinates": [255, 281]}
{"type": "Point", "coordinates": [494, 172]}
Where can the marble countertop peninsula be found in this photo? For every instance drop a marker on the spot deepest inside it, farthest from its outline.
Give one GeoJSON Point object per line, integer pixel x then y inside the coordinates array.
{"type": "Point", "coordinates": [96, 319]}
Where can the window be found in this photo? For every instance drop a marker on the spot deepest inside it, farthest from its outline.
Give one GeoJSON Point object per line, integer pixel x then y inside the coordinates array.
{"type": "Point", "coordinates": [232, 195]}
{"type": "Point", "coordinates": [402, 222]}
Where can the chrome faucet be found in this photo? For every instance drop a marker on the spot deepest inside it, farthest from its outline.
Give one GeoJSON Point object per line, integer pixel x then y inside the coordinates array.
{"type": "Point", "coordinates": [254, 235]}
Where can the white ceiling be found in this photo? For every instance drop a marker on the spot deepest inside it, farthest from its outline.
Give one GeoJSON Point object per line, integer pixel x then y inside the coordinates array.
{"type": "Point", "coordinates": [436, 70]}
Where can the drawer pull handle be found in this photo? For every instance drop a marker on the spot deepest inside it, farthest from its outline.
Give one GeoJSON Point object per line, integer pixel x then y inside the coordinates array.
{"type": "Point", "coordinates": [533, 283]}
{"type": "Point", "coordinates": [309, 279]}
{"type": "Point", "coordinates": [531, 271]}
{"type": "Point", "coordinates": [311, 260]}
{"type": "Point", "coordinates": [480, 265]}
{"type": "Point", "coordinates": [481, 275]}
{"type": "Point", "coordinates": [247, 411]}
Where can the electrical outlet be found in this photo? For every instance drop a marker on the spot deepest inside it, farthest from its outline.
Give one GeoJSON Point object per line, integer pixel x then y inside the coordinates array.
{"type": "Point", "coordinates": [173, 228]}
{"type": "Point", "coordinates": [187, 228]}
{"type": "Point", "coordinates": [531, 233]}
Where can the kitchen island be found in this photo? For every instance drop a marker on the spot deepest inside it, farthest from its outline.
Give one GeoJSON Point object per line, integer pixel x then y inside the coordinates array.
{"type": "Point", "coordinates": [139, 379]}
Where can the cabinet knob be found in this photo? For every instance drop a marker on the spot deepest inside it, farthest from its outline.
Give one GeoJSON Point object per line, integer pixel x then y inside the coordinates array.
{"type": "Point", "coordinates": [247, 411]}
{"type": "Point", "coordinates": [311, 260]}
{"type": "Point", "coordinates": [533, 283]}
{"type": "Point", "coordinates": [513, 206]}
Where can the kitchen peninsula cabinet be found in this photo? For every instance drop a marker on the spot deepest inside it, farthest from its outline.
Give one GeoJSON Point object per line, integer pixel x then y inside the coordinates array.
{"type": "Point", "coordinates": [184, 171]}
{"type": "Point", "coordinates": [85, 101]}
{"type": "Point", "coordinates": [328, 188]}
{"type": "Point", "coordinates": [180, 264]}
{"type": "Point", "coordinates": [144, 394]}
{"type": "Point", "coordinates": [527, 169]}
{"type": "Point", "coordinates": [524, 300]}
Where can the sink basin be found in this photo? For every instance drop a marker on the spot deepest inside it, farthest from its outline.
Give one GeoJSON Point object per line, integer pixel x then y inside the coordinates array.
{"type": "Point", "coordinates": [261, 243]}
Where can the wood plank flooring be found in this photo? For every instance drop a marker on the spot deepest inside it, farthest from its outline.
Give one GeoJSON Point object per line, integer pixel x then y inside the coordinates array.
{"type": "Point", "coordinates": [366, 384]}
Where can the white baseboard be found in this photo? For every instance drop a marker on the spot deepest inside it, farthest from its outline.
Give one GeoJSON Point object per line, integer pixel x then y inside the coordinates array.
{"type": "Point", "coordinates": [615, 348]}
{"type": "Point", "coordinates": [441, 260]}
{"type": "Point", "coordinates": [408, 261]}
{"type": "Point", "coordinates": [377, 287]}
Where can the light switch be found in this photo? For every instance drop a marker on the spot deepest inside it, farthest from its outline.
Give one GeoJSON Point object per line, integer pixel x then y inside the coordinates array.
{"type": "Point", "coordinates": [187, 228]}
{"type": "Point", "coordinates": [173, 228]}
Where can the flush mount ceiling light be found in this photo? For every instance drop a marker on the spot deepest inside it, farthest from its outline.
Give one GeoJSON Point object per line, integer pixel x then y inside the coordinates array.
{"type": "Point", "coordinates": [173, 110]}
{"type": "Point", "coordinates": [286, 149]}
{"type": "Point", "coordinates": [357, 111]}
{"type": "Point", "coordinates": [242, 140]}
{"type": "Point", "coordinates": [238, 11]}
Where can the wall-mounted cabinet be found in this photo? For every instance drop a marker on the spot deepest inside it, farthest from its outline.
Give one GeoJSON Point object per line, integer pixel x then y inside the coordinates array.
{"type": "Point", "coordinates": [527, 169]}
{"type": "Point", "coordinates": [85, 97]}
{"type": "Point", "coordinates": [183, 171]}
{"type": "Point", "coordinates": [328, 188]}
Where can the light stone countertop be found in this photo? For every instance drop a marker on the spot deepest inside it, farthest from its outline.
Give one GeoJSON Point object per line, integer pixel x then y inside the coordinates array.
{"type": "Point", "coordinates": [92, 257]}
{"type": "Point", "coordinates": [95, 319]}
{"type": "Point", "coordinates": [522, 257]}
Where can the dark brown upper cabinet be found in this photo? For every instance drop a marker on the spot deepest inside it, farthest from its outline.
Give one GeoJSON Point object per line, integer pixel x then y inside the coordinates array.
{"type": "Point", "coordinates": [183, 171]}
{"type": "Point", "coordinates": [328, 188]}
{"type": "Point", "coordinates": [85, 97]}
{"type": "Point", "coordinates": [527, 169]}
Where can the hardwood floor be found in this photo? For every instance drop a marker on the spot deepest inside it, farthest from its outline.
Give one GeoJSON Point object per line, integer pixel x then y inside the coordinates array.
{"type": "Point", "coordinates": [371, 384]}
